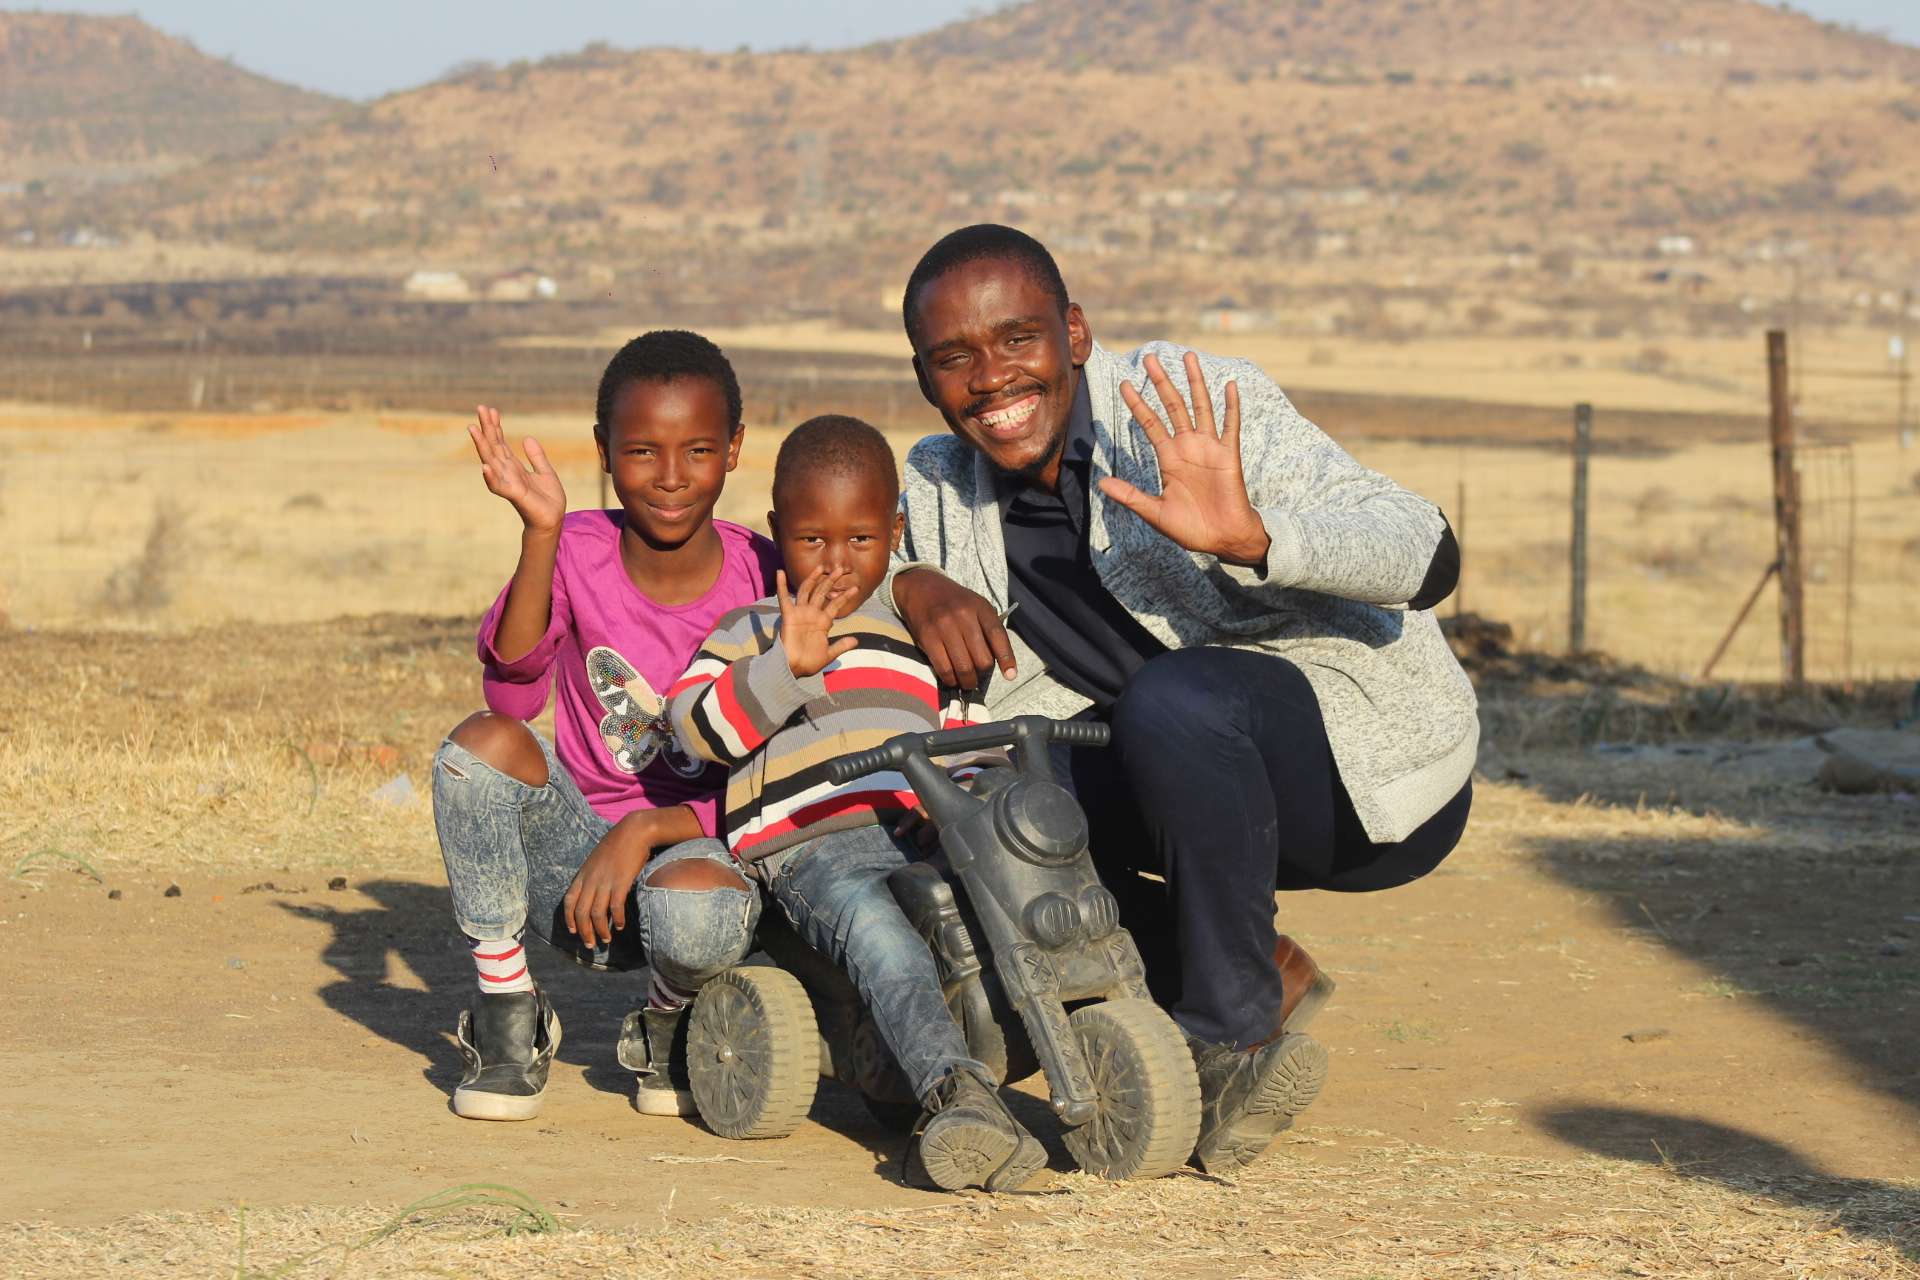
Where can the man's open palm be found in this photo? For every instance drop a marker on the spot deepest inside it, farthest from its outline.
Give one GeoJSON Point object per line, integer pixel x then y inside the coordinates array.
{"type": "Point", "coordinates": [1203, 504]}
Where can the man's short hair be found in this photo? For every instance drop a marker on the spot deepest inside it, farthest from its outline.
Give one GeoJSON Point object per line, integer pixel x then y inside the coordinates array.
{"type": "Point", "coordinates": [662, 356]}
{"type": "Point", "coordinates": [833, 444]}
{"type": "Point", "coordinates": [982, 242]}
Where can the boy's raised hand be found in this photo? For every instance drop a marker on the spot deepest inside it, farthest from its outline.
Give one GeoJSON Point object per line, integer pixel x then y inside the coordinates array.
{"type": "Point", "coordinates": [807, 616]}
{"type": "Point", "coordinates": [533, 489]}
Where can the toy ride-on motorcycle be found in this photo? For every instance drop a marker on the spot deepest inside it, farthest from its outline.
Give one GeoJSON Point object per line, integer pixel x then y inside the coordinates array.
{"type": "Point", "coordinates": [1035, 966]}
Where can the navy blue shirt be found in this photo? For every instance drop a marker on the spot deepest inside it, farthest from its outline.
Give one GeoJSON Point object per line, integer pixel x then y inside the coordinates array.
{"type": "Point", "coordinates": [1089, 642]}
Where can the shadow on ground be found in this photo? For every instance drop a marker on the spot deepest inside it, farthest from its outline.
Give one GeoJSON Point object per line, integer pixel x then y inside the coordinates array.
{"type": "Point", "coordinates": [412, 924]}
{"type": "Point", "coordinates": [1699, 1149]}
{"type": "Point", "coordinates": [1825, 939]}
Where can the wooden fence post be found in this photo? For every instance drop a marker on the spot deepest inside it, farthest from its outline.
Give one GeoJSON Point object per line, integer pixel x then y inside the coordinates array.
{"type": "Point", "coordinates": [1577, 606]}
{"type": "Point", "coordinates": [1460, 540]}
{"type": "Point", "coordinates": [1786, 516]}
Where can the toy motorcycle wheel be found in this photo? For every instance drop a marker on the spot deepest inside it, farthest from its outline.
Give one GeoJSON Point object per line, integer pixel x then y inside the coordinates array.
{"type": "Point", "coordinates": [753, 1053]}
{"type": "Point", "coordinates": [877, 1076]}
{"type": "Point", "coordinates": [1148, 1115]}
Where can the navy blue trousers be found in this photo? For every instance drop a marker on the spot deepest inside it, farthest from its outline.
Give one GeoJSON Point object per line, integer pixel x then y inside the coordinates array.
{"type": "Point", "coordinates": [1221, 787]}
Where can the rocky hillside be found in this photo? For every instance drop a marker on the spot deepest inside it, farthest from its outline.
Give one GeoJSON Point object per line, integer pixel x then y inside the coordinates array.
{"type": "Point", "coordinates": [1652, 40]}
{"type": "Point", "coordinates": [1180, 149]}
{"type": "Point", "coordinates": [91, 96]}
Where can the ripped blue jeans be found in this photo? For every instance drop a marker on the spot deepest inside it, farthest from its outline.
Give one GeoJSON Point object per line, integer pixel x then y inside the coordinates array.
{"type": "Point", "coordinates": [511, 852]}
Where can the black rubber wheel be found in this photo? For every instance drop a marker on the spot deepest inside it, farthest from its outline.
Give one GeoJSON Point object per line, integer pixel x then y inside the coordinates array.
{"type": "Point", "coordinates": [753, 1053]}
{"type": "Point", "coordinates": [1148, 1114]}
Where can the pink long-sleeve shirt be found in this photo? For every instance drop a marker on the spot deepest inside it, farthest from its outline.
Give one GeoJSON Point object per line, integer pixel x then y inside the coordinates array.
{"type": "Point", "coordinates": [597, 607]}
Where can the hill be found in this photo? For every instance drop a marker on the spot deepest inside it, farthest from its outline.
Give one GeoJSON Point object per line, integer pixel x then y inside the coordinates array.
{"type": "Point", "coordinates": [1643, 39]}
{"type": "Point", "coordinates": [804, 183]}
{"type": "Point", "coordinates": [95, 95]}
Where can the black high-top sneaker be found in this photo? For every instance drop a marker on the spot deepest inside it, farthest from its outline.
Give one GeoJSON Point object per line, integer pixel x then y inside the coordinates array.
{"type": "Point", "coordinates": [653, 1045]}
{"type": "Point", "coordinates": [508, 1041]}
{"type": "Point", "coordinates": [1249, 1097]}
{"type": "Point", "coordinates": [968, 1138]}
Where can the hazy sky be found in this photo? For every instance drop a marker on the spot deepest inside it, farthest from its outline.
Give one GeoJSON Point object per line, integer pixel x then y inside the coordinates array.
{"type": "Point", "coordinates": [364, 48]}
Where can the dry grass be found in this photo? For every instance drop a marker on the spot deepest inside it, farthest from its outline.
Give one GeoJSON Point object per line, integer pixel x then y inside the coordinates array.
{"type": "Point", "coordinates": [287, 524]}
{"type": "Point", "coordinates": [1336, 1204]}
{"type": "Point", "coordinates": [124, 524]}
{"type": "Point", "coordinates": [229, 754]}
{"type": "Point", "coordinates": [257, 747]}
{"type": "Point", "coordinates": [1842, 379]}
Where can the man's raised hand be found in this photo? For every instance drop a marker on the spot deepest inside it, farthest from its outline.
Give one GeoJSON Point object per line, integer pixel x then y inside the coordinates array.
{"type": "Point", "coordinates": [533, 489]}
{"type": "Point", "coordinates": [808, 615]}
{"type": "Point", "coordinates": [1203, 504]}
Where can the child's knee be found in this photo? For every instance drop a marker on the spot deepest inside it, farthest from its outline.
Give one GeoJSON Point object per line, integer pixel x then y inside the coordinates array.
{"type": "Point", "coordinates": [694, 874]}
{"type": "Point", "coordinates": [504, 744]}
{"type": "Point", "coordinates": [692, 935]}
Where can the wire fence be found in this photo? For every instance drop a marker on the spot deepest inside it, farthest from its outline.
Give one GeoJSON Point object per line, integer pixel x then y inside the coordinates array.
{"type": "Point", "coordinates": [111, 518]}
{"type": "Point", "coordinates": [1677, 542]}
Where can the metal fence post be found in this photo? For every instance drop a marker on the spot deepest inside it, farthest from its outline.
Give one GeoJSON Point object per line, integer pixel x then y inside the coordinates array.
{"type": "Point", "coordinates": [1786, 516]}
{"type": "Point", "coordinates": [1577, 607]}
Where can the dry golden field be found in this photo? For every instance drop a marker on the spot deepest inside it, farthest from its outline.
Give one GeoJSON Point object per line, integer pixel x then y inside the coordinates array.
{"type": "Point", "coordinates": [1653, 1018]}
{"type": "Point", "coordinates": [1842, 377]}
{"type": "Point", "coordinates": [117, 520]}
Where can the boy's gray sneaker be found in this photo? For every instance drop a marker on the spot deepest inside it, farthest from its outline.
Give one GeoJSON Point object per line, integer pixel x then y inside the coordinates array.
{"type": "Point", "coordinates": [968, 1138]}
{"type": "Point", "coordinates": [508, 1041]}
{"type": "Point", "coordinates": [1249, 1097]}
{"type": "Point", "coordinates": [653, 1045]}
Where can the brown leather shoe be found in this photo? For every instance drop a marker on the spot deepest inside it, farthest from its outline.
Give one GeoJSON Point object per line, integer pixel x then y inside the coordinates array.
{"type": "Point", "coordinates": [1304, 988]}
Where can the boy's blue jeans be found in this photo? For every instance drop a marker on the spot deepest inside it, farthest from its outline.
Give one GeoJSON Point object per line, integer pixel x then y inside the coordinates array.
{"type": "Point", "coordinates": [834, 890]}
{"type": "Point", "coordinates": [512, 850]}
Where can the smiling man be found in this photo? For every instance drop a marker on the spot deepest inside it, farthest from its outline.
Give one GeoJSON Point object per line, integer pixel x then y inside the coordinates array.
{"type": "Point", "coordinates": [1187, 558]}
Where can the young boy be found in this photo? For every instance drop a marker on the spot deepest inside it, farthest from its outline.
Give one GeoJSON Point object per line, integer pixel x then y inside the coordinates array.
{"type": "Point", "coordinates": [604, 608]}
{"type": "Point", "coordinates": [780, 688]}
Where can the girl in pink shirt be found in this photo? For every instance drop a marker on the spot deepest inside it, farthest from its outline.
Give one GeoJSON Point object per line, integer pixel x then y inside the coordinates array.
{"type": "Point", "coordinates": [604, 609]}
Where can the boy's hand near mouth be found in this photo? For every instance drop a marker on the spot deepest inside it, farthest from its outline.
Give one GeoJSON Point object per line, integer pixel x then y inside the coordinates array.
{"type": "Point", "coordinates": [807, 617]}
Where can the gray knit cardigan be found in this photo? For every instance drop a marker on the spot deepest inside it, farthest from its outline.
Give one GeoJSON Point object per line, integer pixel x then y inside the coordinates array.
{"type": "Point", "coordinates": [1349, 549]}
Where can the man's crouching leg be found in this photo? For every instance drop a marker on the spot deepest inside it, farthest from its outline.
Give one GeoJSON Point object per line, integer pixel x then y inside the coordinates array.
{"type": "Point", "coordinates": [1225, 754]}
{"type": "Point", "coordinates": [697, 913]}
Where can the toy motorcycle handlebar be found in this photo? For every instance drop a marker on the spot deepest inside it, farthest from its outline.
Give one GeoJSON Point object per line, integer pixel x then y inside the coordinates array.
{"type": "Point", "coordinates": [1022, 730]}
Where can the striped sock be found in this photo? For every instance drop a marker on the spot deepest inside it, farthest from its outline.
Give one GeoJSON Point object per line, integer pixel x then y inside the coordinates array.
{"type": "Point", "coordinates": [663, 995]}
{"type": "Point", "coordinates": [502, 965]}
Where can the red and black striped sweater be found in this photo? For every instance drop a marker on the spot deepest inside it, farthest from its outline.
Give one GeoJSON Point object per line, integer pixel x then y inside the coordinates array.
{"type": "Point", "coordinates": [740, 704]}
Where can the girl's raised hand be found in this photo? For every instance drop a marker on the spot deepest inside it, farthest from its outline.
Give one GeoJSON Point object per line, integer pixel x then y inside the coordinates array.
{"type": "Point", "coordinates": [533, 489]}
{"type": "Point", "coordinates": [807, 616]}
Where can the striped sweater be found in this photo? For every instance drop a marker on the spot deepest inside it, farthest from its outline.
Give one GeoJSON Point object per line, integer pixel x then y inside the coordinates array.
{"type": "Point", "coordinates": [741, 705]}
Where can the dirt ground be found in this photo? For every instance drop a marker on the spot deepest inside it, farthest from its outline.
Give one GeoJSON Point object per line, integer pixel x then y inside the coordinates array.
{"type": "Point", "coordinates": [1649, 1020]}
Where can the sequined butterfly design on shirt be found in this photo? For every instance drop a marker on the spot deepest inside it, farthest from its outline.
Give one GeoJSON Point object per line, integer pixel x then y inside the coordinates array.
{"type": "Point", "coordinates": [635, 728]}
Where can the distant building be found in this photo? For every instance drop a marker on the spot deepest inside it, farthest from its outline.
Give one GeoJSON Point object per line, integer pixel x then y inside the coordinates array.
{"type": "Point", "coordinates": [438, 286]}
{"type": "Point", "coordinates": [1674, 246]}
{"type": "Point", "coordinates": [522, 284]}
{"type": "Point", "coordinates": [1697, 47]}
{"type": "Point", "coordinates": [1227, 316]}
